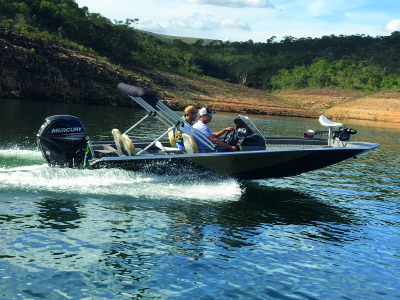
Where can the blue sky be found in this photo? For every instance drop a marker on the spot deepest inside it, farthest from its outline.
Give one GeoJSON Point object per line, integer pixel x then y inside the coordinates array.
{"type": "Point", "coordinates": [242, 20]}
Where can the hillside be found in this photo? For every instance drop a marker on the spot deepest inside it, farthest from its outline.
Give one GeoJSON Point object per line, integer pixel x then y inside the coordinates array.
{"type": "Point", "coordinates": [170, 38]}
{"type": "Point", "coordinates": [37, 69]}
{"type": "Point", "coordinates": [357, 62]}
{"type": "Point", "coordinates": [44, 70]}
{"type": "Point", "coordinates": [340, 104]}
{"type": "Point", "coordinates": [54, 50]}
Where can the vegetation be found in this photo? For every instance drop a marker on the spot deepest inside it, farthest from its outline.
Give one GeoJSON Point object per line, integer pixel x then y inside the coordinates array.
{"type": "Point", "coordinates": [352, 62]}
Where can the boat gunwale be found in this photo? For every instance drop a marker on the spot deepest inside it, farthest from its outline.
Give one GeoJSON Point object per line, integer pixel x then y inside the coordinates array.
{"type": "Point", "coordinates": [368, 146]}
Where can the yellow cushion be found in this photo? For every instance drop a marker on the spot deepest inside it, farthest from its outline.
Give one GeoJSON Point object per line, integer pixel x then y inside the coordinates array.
{"type": "Point", "coordinates": [190, 144]}
{"type": "Point", "coordinates": [117, 139]}
{"type": "Point", "coordinates": [171, 136]}
{"type": "Point", "coordinates": [128, 145]}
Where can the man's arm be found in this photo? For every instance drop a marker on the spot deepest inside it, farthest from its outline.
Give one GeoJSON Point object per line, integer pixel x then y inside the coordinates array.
{"type": "Point", "coordinates": [213, 138]}
{"type": "Point", "coordinates": [221, 132]}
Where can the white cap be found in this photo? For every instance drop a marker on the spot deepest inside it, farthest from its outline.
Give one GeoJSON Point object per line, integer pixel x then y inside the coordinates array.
{"type": "Point", "coordinates": [206, 111]}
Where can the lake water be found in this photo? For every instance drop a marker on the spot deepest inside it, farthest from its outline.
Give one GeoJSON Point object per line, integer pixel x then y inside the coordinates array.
{"type": "Point", "coordinates": [111, 234]}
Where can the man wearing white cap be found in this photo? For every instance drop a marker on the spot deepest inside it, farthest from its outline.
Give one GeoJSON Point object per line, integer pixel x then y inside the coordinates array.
{"type": "Point", "coordinates": [201, 125]}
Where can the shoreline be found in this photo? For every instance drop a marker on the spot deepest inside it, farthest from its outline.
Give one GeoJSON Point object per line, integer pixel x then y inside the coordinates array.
{"type": "Point", "coordinates": [44, 70]}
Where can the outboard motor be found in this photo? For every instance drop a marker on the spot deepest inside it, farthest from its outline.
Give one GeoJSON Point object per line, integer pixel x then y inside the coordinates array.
{"type": "Point", "coordinates": [62, 140]}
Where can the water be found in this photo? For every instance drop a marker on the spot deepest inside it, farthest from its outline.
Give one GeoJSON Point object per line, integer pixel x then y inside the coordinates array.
{"type": "Point", "coordinates": [111, 234]}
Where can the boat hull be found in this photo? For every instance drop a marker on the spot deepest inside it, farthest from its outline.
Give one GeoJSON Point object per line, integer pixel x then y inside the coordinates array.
{"type": "Point", "coordinates": [243, 165]}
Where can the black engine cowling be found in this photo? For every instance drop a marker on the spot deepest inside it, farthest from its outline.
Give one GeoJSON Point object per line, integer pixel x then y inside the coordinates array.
{"type": "Point", "coordinates": [62, 140]}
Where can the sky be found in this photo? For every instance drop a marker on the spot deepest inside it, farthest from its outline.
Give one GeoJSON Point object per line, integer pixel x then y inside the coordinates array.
{"type": "Point", "coordinates": [258, 20]}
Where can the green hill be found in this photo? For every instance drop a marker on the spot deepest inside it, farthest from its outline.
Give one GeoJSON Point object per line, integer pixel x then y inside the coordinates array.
{"type": "Point", "coordinates": [353, 62]}
{"type": "Point", "coordinates": [170, 38]}
{"type": "Point", "coordinates": [357, 62]}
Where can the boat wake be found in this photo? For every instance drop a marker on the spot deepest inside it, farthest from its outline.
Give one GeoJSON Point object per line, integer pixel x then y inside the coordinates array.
{"type": "Point", "coordinates": [18, 157]}
{"type": "Point", "coordinates": [36, 176]}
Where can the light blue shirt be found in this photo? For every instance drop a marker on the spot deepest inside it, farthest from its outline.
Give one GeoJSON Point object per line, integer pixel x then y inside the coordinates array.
{"type": "Point", "coordinates": [203, 128]}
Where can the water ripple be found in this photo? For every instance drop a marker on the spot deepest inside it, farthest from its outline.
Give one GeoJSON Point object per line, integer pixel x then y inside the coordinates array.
{"type": "Point", "coordinates": [112, 234]}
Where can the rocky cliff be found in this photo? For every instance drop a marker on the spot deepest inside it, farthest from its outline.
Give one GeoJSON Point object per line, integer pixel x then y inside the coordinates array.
{"type": "Point", "coordinates": [35, 69]}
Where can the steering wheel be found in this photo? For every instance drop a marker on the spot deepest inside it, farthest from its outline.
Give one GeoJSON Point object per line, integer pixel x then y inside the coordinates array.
{"type": "Point", "coordinates": [229, 137]}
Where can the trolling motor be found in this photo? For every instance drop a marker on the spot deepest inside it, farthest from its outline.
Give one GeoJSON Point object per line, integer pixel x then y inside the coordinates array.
{"type": "Point", "coordinates": [343, 134]}
{"type": "Point", "coordinates": [62, 141]}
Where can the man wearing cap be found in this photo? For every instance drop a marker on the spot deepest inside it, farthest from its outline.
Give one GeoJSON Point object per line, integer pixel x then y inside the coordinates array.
{"type": "Point", "coordinates": [190, 116]}
{"type": "Point", "coordinates": [201, 125]}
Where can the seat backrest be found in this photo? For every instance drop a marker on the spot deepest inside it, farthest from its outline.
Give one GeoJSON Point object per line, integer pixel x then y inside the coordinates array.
{"type": "Point", "coordinates": [128, 145]}
{"type": "Point", "coordinates": [171, 136]}
{"type": "Point", "coordinates": [327, 123]}
{"type": "Point", "coordinates": [117, 139]}
{"type": "Point", "coordinates": [190, 144]}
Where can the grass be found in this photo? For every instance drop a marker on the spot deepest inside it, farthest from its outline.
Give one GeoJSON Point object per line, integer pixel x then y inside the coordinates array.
{"type": "Point", "coordinates": [377, 107]}
{"type": "Point", "coordinates": [348, 104]}
{"type": "Point", "coordinates": [227, 97]}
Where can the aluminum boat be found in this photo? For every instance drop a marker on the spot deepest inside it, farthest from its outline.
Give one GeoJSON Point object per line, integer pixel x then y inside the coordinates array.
{"type": "Point", "coordinates": [64, 142]}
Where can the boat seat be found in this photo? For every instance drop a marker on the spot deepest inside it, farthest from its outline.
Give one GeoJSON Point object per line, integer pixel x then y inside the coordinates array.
{"type": "Point", "coordinates": [190, 144]}
{"type": "Point", "coordinates": [118, 139]}
{"type": "Point", "coordinates": [171, 136]}
{"type": "Point", "coordinates": [128, 145]}
{"type": "Point", "coordinates": [327, 123]}
{"type": "Point", "coordinates": [166, 149]}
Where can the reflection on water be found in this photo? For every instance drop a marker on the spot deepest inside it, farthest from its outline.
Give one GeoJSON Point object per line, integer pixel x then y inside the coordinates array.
{"type": "Point", "coordinates": [117, 237]}
{"type": "Point", "coordinates": [113, 234]}
{"type": "Point", "coordinates": [59, 214]}
{"type": "Point", "coordinates": [137, 246]}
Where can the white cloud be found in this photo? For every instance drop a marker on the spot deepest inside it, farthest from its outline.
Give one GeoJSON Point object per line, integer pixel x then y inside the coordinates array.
{"type": "Point", "coordinates": [195, 22]}
{"type": "Point", "coordinates": [319, 8]}
{"type": "Point", "coordinates": [205, 23]}
{"type": "Point", "coordinates": [232, 19]}
{"type": "Point", "coordinates": [149, 25]}
{"type": "Point", "coordinates": [236, 3]}
{"type": "Point", "coordinates": [393, 25]}
{"type": "Point", "coordinates": [232, 24]}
